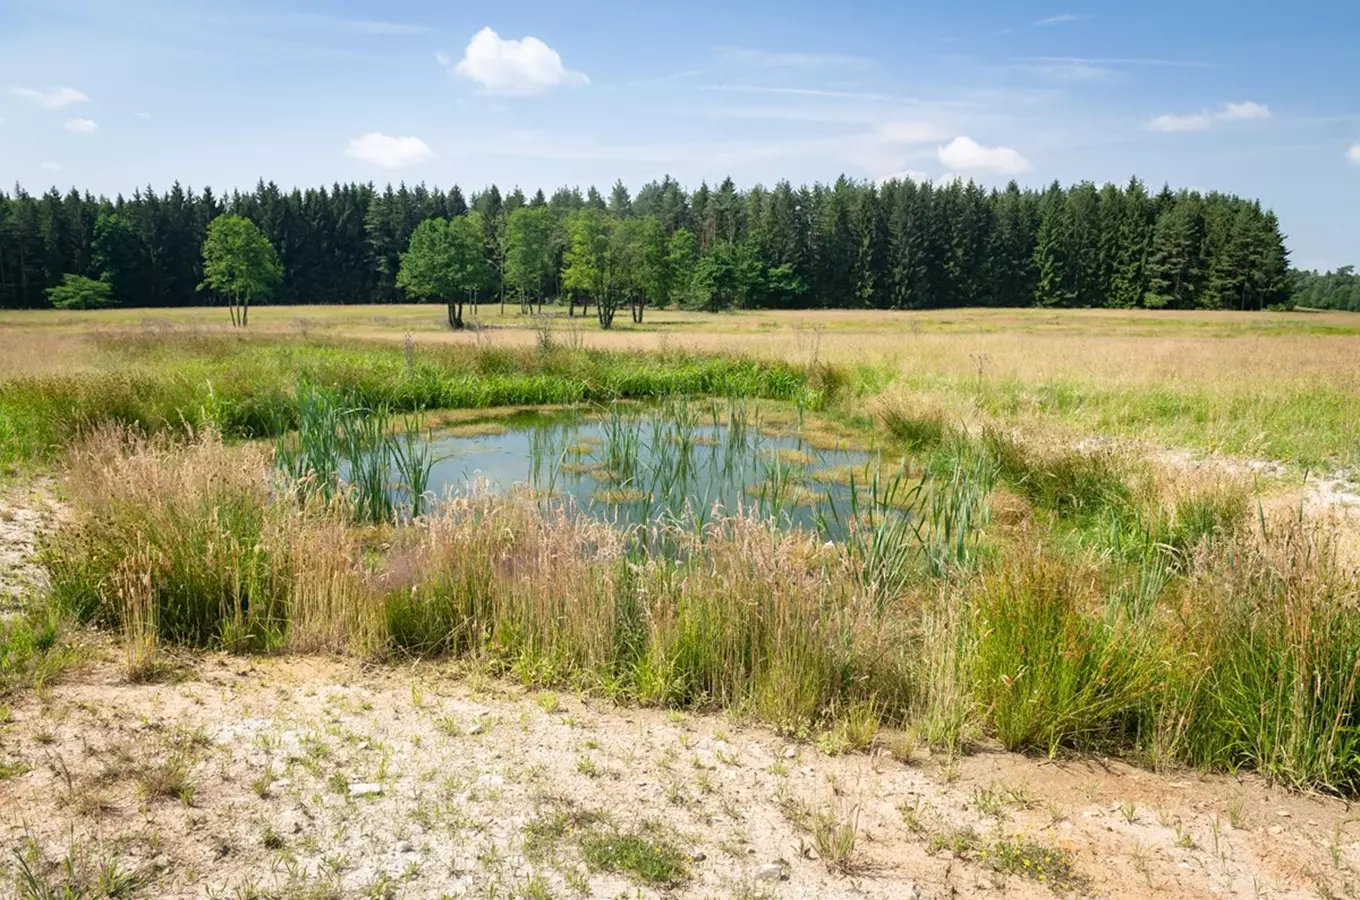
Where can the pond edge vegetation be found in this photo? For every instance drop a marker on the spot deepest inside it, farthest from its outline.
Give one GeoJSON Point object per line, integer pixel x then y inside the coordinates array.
{"type": "Point", "coordinates": [1052, 599]}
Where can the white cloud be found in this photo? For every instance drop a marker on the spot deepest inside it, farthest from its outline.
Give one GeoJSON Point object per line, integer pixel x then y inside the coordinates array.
{"type": "Point", "coordinates": [949, 178]}
{"type": "Point", "coordinates": [516, 67]}
{"type": "Point", "coordinates": [82, 126]}
{"type": "Point", "coordinates": [767, 60]}
{"type": "Point", "coordinates": [1062, 18]}
{"type": "Point", "coordinates": [142, 115]}
{"type": "Point", "coordinates": [389, 152]}
{"type": "Point", "coordinates": [1353, 155]}
{"type": "Point", "coordinates": [1172, 124]}
{"type": "Point", "coordinates": [57, 98]}
{"type": "Point", "coordinates": [443, 59]}
{"type": "Point", "coordinates": [1247, 110]}
{"type": "Point", "coordinates": [50, 167]}
{"type": "Point", "coordinates": [965, 154]}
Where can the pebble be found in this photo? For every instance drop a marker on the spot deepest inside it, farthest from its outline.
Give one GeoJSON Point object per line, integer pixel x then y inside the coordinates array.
{"type": "Point", "coordinates": [367, 789]}
{"type": "Point", "coordinates": [790, 752]}
{"type": "Point", "coordinates": [1283, 813]}
{"type": "Point", "coordinates": [698, 856]}
{"type": "Point", "coordinates": [478, 728]}
{"type": "Point", "coordinates": [770, 872]}
{"type": "Point", "coordinates": [406, 847]}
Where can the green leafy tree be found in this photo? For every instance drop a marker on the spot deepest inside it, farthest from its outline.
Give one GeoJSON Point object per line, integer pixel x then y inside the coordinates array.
{"type": "Point", "coordinates": [79, 292]}
{"type": "Point", "coordinates": [530, 262]}
{"type": "Point", "coordinates": [590, 265]}
{"type": "Point", "coordinates": [446, 261]}
{"type": "Point", "coordinates": [639, 248]}
{"type": "Point", "coordinates": [239, 263]}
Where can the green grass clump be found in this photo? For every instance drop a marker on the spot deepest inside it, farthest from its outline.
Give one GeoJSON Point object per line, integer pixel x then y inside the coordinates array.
{"type": "Point", "coordinates": [32, 651]}
{"type": "Point", "coordinates": [1015, 855]}
{"type": "Point", "coordinates": [1067, 482]}
{"type": "Point", "coordinates": [1273, 683]}
{"type": "Point", "coordinates": [646, 853]}
{"type": "Point", "coordinates": [1054, 665]}
{"type": "Point", "coordinates": [915, 425]}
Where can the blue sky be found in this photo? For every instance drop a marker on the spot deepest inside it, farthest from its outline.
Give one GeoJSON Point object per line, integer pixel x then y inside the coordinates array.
{"type": "Point", "coordinates": [1256, 98]}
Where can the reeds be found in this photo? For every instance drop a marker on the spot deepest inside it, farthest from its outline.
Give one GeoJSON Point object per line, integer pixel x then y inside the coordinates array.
{"type": "Point", "coordinates": [1240, 650]}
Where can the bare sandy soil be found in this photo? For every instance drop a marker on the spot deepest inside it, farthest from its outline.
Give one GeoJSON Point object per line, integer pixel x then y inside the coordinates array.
{"type": "Point", "coordinates": [25, 511]}
{"type": "Point", "coordinates": [299, 778]}
{"type": "Point", "coordinates": [313, 777]}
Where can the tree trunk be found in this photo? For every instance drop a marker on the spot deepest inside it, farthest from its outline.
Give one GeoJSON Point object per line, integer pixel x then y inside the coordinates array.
{"type": "Point", "coordinates": [245, 312]}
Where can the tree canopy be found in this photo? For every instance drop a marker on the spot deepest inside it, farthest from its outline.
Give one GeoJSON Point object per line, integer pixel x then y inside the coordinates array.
{"type": "Point", "coordinates": [79, 292]}
{"type": "Point", "coordinates": [446, 262]}
{"type": "Point", "coordinates": [901, 244]}
{"type": "Point", "coordinates": [239, 263]}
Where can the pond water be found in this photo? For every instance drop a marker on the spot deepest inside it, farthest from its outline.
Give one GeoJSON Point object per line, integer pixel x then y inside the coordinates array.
{"type": "Point", "coordinates": [680, 464]}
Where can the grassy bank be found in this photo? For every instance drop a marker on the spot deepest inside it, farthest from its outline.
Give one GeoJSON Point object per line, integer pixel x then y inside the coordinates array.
{"type": "Point", "coordinates": [248, 388]}
{"type": "Point", "coordinates": [1168, 628]}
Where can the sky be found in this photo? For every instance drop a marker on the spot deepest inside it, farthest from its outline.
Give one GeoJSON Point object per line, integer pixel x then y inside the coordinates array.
{"type": "Point", "coordinates": [1256, 98]}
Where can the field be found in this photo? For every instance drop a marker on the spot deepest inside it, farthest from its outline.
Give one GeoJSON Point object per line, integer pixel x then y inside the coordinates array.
{"type": "Point", "coordinates": [1089, 627]}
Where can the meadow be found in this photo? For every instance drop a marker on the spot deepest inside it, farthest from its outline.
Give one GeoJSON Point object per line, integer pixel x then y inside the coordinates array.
{"type": "Point", "coordinates": [1085, 537]}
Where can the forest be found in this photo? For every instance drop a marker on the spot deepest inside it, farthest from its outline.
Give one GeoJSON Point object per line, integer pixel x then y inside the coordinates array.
{"type": "Point", "coordinates": [850, 244]}
{"type": "Point", "coordinates": [1327, 290]}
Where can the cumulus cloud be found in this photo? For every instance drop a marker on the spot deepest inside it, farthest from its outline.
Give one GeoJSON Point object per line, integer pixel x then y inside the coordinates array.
{"type": "Point", "coordinates": [967, 155]}
{"type": "Point", "coordinates": [515, 67]}
{"type": "Point", "coordinates": [1353, 155]}
{"type": "Point", "coordinates": [1245, 111]}
{"type": "Point", "coordinates": [57, 98]}
{"type": "Point", "coordinates": [389, 152]}
{"type": "Point", "coordinates": [82, 126]}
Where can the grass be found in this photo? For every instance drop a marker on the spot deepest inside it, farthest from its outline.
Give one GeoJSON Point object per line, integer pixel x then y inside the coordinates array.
{"type": "Point", "coordinates": [646, 853]}
{"type": "Point", "coordinates": [1110, 610]}
{"type": "Point", "coordinates": [1045, 647]}
{"type": "Point", "coordinates": [33, 651]}
{"type": "Point", "coordinates": [246, 388]}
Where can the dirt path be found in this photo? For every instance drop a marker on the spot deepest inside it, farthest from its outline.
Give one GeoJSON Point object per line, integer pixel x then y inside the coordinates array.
{"type": "Point", "coordinates": [25, 511]}
{"type": "Point", "coordinates": [317, 778]}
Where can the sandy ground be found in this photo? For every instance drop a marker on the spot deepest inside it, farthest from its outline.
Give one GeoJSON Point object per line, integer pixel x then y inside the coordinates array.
{"type": "Point", "coordinates": [25, 511]}
{"type": "Point", "coordinates": [314, 777]}
{"type": "Point", "coordinates": [300, 778]}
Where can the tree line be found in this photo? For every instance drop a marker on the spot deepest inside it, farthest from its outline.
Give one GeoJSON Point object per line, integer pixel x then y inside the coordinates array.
{"type": "Point", "coordinates": [1327, 290]}
{"type": "Point", "coordinates": [897, 245]}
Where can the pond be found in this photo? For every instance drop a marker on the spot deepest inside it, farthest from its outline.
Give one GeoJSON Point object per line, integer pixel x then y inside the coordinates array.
{"type": "Point", "coordinates": [679, 464]}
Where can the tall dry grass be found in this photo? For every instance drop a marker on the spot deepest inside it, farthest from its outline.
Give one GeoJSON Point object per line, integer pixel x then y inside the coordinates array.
{"type": "Point", "coordinates": [1216, 643]}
